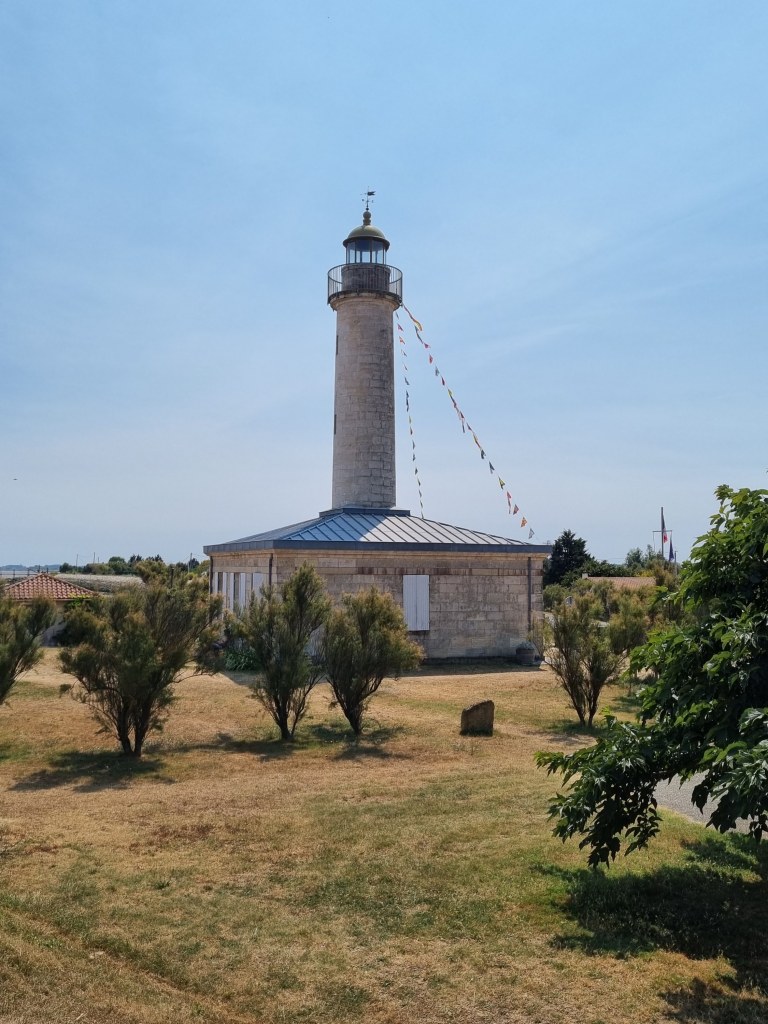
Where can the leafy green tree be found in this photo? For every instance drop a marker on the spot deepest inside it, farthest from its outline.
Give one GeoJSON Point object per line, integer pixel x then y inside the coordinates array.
{"type": "Point", "coordinates": [151, 569]}
{"type": "Point", "coordinates": [581, 655]}
{"type": "Point", "coordinates": [629, 622]}
{"type": "Point", "coordinates": [365, 640]}
{"type": "Point", "coordinates": [276, 630]}
{"type": "Point", "coordinates": [132, 648]}
{"type": "Point", "coordinates": [635, 559]}
{"type": "Point", "coordinates": [21, 626]}
{"type": "Point", "coordinates": [638, 560]}
{"type": "Point", "coordinates": [554, 595]}
{"type": "Point", "coordinates": [118, 566]}
{"type": "Point", "coordinates": [704, 715]}
{"type": "Point", "coordinates": [598, 567]}
{"type": "Point", "coordinates": [569, 555]}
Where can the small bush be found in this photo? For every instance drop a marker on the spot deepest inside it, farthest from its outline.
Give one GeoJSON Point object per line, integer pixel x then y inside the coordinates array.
{"type": "Point", "coordinates": [365, 640]}
{"type": "Point", "coordinates": [581, 655]}
{"type": "Point", "coordinates": [276, 631]}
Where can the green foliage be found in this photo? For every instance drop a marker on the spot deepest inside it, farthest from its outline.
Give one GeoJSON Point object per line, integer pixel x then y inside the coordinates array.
{"type": "Point", "coordinates": [597, 567]}
{"type": "Point", "coordinates": [132, 648]}
{"type": "Point", "coordinates": [71, 633]}
{"type": "Point", "coordinates": [569, 554]}
{"type": "Point", "coordinates": [554, 595]}
{"type": "Point", "coordinates": [152, 568]}
{"type": "Point", "coordinates": [638, 560]}
{"type": "Point", "coordinates": [629, 621]}
{"type": "Point", "coordinates": [581, 655]}
{"type": "Point", "coordinates": [21, 626]}
{"type": "Point", "coordinates": [570, 560]}
{"type": "Point", "coordinates": [365, 640]}
{"type": "Point", "coordinates": [635, 559]}
{"type": "Point", "coordinates": [706, 711]}
{"type": "Point", "coordinates": [276, 631]}
{"type": "Point", "coordinates": [240, 658]}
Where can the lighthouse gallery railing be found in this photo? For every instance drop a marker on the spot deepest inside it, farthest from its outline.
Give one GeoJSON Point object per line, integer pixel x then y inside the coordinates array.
{"type": "Point", "coordinates": [365, 277]}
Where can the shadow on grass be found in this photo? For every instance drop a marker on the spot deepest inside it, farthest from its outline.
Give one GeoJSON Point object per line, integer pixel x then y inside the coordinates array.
{"type": "Point", "coordinates": [702, 1002]}
{"type": "Point", "coordinates": [266, 748]}
{"type": "Point", "coordinates": [712, 906]}
{"type": "Point", "coordinates": [308, 736]}
{"type": "Point", "coordinates": [570, 734]}
{"type": "Point", "coordinates": [350, 747]}
{"type": "Point", "coordinates": [468, 667]}
{"type": "Point", "coordinates": [625, 704]}
{"type": "Point", "coordinates": [93, 771]}
{"type": "Point", "coordinates": [246, 679]}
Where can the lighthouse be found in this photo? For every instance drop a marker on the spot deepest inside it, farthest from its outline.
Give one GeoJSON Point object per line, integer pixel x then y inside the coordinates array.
{"type": "Point", "coordinates": [364, 292]}
{"type": "Point", "coordinates": [464, 593]}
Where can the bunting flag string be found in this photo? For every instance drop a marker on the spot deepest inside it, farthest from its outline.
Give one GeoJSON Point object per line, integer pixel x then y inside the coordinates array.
{"type": "Point", "coordinates": [404, 354]}
{"type": "Point", "coordinates": [512, 505]}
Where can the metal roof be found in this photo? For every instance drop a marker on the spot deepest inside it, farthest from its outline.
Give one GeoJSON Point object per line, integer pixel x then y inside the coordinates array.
{"type": "Point", "coordinates": [390, 529]}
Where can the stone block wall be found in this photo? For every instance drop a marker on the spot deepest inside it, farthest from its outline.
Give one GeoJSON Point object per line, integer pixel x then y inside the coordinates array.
{"type": "Point", "coordinates": [478, 602]}
{"type": "Point", "coordinates": [364, 405]}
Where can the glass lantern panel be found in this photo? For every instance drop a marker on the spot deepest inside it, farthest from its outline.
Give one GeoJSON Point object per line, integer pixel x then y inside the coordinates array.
{"type": "Point", "coordinates": [365, 250]}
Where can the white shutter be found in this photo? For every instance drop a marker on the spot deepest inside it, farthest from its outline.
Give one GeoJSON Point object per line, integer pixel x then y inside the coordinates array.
{"type": "Point", "coordinates": [416, 603]}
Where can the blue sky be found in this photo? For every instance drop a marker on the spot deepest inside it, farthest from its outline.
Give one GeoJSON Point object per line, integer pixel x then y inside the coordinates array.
{"type": "Point", "coordinates": [577, 195]}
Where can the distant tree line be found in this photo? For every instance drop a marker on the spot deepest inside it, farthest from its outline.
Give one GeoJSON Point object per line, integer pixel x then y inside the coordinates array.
{"type": "Point", "coordinates": [570, 561]}
{"type": "Point", "coordinates": [151, 567]}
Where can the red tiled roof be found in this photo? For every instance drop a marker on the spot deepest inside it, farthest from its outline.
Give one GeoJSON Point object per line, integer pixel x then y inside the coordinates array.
{"type": "Point", "coordinates": [625, 582]}
{"type": "Point", "coordinates": [44, 585]}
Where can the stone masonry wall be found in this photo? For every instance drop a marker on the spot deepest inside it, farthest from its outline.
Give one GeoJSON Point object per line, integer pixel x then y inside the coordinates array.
{"type": "Point", "coordinates": [364, 406]}
{"type": "Point", "coordinates": [478, 602]}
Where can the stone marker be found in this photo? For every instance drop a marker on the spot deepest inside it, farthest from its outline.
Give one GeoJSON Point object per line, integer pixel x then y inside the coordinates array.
{"type": "Point", "coordinates": [477, 719]}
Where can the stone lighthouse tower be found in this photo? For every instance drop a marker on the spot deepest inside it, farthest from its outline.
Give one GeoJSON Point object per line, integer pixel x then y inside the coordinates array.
{"type": "Point", "coordinates": [364, 292]}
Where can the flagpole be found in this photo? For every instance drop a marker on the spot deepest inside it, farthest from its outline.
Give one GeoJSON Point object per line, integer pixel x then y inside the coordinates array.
{"type": "Point", "coordinates": [662, 532]}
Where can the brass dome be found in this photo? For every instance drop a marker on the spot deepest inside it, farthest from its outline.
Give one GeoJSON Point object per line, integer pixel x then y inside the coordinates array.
{"type": "Point", "coordinates": [367, 230]}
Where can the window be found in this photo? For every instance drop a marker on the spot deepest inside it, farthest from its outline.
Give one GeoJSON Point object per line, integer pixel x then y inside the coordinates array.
{"type": "Point", "coordinates": [416, 603]}
{"type": "Point", "coordinates": [366, 250]}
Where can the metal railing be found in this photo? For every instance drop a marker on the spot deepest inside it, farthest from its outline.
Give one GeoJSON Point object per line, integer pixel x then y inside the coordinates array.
{"type": "Point", "coordinates": [351, 278]}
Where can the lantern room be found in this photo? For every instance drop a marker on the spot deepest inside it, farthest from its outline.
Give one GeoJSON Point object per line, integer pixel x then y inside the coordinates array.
{"type": "Point", "coordinates": [366, 244]}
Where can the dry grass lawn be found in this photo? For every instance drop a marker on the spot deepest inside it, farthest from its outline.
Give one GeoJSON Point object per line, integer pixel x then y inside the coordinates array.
{"type": "Point", "coordinates": [410, 877]}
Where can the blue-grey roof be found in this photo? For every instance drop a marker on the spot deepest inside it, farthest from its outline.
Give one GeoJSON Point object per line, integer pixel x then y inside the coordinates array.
{"type": "Point", "coordinates": [363, 529]}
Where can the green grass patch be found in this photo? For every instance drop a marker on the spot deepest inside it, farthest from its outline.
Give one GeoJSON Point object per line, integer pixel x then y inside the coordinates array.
{"type": "Point", "coordinates": [411, 873]}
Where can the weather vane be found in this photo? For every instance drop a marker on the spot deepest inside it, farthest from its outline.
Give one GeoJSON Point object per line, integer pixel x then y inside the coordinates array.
{"type": "Point", "coordinates": [366, 198]}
